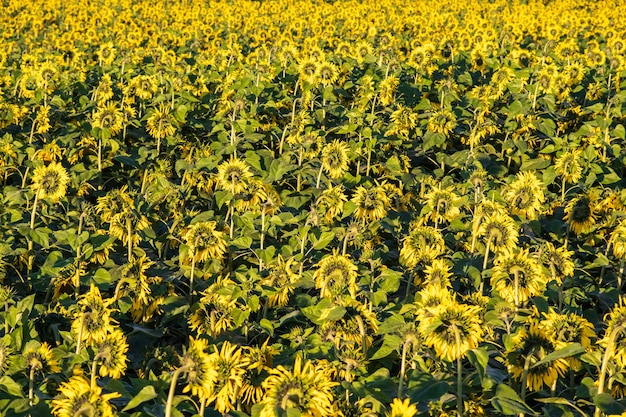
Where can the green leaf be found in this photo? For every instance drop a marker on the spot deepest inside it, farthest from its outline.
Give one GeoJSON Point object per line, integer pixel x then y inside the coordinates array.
{"type": "Point", "coordinates": [278, 168]}
{"type": "Point", "coordinates": [8, 385]}
{"type": "Point", "coordinates": [535, 164]}
{"type": "Point", "coordinates": [608, 404]}
{"type": "Point", "coordinates": [394, 323]}
{"type": "Point", "coordinates": [147, 393]}
{"type": "Point", "coordinates": [508, 402]}
{"type": "Point", "coordinates": [566, 352]}
{"type": "Point", "coordinates": [479, 359]}
{"type": "Point", "coordinates": [423, 387]}
{"type": "Point", "coordinates": [323, 241]}
{"type": "Point", "coordinates": [391, 343]}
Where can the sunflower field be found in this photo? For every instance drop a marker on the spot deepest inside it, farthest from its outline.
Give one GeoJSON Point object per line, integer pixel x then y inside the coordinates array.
{"type": "Point", "coordinates": [286, 208]}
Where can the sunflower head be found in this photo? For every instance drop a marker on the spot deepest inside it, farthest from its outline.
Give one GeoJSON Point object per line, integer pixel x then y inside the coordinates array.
{"type": "Point", "coordinates": [50, 182]}
{"type": "Point", "coordinates": [401, 408]}
{"type": "Point", "coordinates": [234, 175]}
{"type": "Point", "coordinates": [200, 373]}
{"type": "Point", "coordinates": [336, 276]}
{"type": "Point", "coordinates": [525, 195]}
{"type": "Point", "coordinates": [580, 213]}
{"type": "Point", "coordinates": [517, 276]}
{"type": "Point", "coordinates": [335, 158]}
{"type": "Point", "coordinates": [371, 203]}
{"type": "Point", "coordinates": [205, 241]}
{"type": "Point", "coordinates": [499, 230]}
{"type": "Point", "coordinates": [422, 245]}
{"type": "Point", "coordinates": [79, 399]}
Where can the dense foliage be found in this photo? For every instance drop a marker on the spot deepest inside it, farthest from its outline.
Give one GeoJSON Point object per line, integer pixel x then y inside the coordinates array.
{"type": "Point", "coordinates": [296, 208]}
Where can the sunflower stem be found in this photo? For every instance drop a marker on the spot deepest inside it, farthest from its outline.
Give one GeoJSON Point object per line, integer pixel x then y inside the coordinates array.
{"type": "Point", "coordinates": [94, 367]}
{"type": "Point", "coordinates": [605, 363]}
{"type": "Point", "coordinates": [262, 240]}
{"type": "Point", "coordinates": [31, 386]}
{"type": "Point", "coordinates": [516, 284]}
{"type": "Point", "coordinates": [525, 377]}
{"type": "Point", "coordinates": [33, 214]}
{"type": "Point", "coordinates": [482, 281]}
{"type": "Point", "coordinates": [405, 347]}
{"type": "Point", "coordinates": [79, 336]}
{"type": "Point", "coordinates": [319, 177]}
{"type": "Point", "coordinates": [170, 395]}
{"type": "Point", "coordinates": [129, 228]}
{"type": "Point", "coordinates": [193, 273]}
{"type": "Point", "coordinates": [459, 372]}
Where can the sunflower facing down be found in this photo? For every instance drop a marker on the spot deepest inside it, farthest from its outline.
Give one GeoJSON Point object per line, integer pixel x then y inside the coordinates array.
{"type": "Point", "coordinates": [78, 398]}
{"type": "Point", "coordinates": [580, 213]}
{"type": "Point", "coordinates": [335, 158]}
{"type": "Point", "coordinates": [233, 176]}
{"type": "Point", "coordinates": [525, 195]}
{"type": "Point", "coordinates": [423, 244]}
{"type": "Point", "coordinates": [306, 388]}
{"type": "Point", "coordinates": [371, 203]}
{"type": "Point", "coordinates": [517, 276]}
{"type": "Point", "coordinates": [451, 329]}
{"type": "Point", "coordinates": [335, 276]}
{"type": "Point", "coordinates": [231, 364]}
{"type": "Point", "coordinates": [50, 182]}
{"type": "Point", "coordinates": [532, 345]}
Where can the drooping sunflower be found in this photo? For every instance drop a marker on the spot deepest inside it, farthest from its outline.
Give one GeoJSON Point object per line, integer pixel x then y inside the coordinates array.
{"type": "Point", "coordinates": [108, 118]}
{"type": "Point", "coordinates": [50, 182]}
{"type": "Point", "coordinates": [78, 398]}
{"type": "Point", "coordinates": [580, 213]}
{"type": "Point", "coordinates": [566, 329]}
{"type": "Point", "coordinates": [231, 364]}
{"type": "Point", "coordinates": [198, 369]}
{"type": "Point", "coordinates": [335, 158]}
{"type": "Point", "coordinates": [281, 279]}
{"type": "Point", "coordinates": [442, 121]}
{"type": "Point", "coordinates": [525, 195]}
{"type": "Point", "coordinates": [443, 203]}
{"type": "Point", "coordinates": [6, 355]}
{"type": "Point", "coordinates": [371, 203]}
{"type": "Point", "coordinates": [517, 276]}
{"type": "Point", "coordinates": [432, 296]}
{"type": "Point", "coordinates": [558, 260]}
{"type": "Point", "coordinates": [160, 123]}
{"type": "Point", "coordinates": [451, 329]}
{"type": "Point", "coordinates": [401, 408]}
{"type": "Point", "coordinates": [500, 231]}
{"type": "Point", "coordinates": [330, 202]}
{"type": "Point", "coordinates": [568, 167]}
{"type": "Point", "coordinates": [422, 245]}
{"type": "Point", "coordinates": [260, 360]}
{"type": "Point", "coordinates": [94, 322]}
{"type": "Point", "coordinates": [234, 175]}
{"type": "Point", "coordinates": [306, 388]}
{"type": "Point", "coordinates": [532, 345]}
{"type": "Point", "coordinates": [111, 354]}
{"type": "Point", "coordinates": [615, 332]}
{"type": "Point", "coordinates": [618, 241]}
{"type": "Point", "coordinates": [336, 276]}
{"type": "Point", "coordinates": [327, 73]}
{"type": "Point", "coordinates": [39, 358]}
{"type": "Point", "coordinates": [387, 90]}
{"type": "Point", "coordinates": [205, 241]}
{"type": "Point", "coordinates": [437, 273]}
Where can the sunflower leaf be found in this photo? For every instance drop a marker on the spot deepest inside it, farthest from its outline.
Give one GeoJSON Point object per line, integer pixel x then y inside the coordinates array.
{"type": "Point", "coordinates": [566, 352]}
{"type": "Point", "coordinates": [508, 402]}
{"type": "Point", "coordinates": [147, 393]}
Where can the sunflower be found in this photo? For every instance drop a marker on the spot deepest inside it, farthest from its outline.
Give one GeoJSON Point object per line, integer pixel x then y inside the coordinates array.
{"type": "Point", "coordinates": [234, 175]}
{"type": "Point", "coordinates": [78, 398]}
{"type": "Point", "coordinates": [558, 260]}
{"type": "Point", "coordinates": [231, 364]}
{"type": "Point", "coordinates": [525, 195]}
{"type": "Point", "coordinates": [281, 281]}
{"type": "Point", "coordinates": [306, 388]}
{"type": "Point", "coordinates": [108, 118]}
{"type": "Point", "coordinates": [39, 358]}
{"type": "Point", "coordinates": [451, 329]}
{"type": "Point", "coordinates": [567, 166]}
{"type": "Point", "coordinates": [437, 273]}
{"type": "Point", "coordinates": [616, 329]}
{"type": "Point", "coordinates": [335, 158]}
{"type": "Point", "coordinates": [111, 354]}
{"type": "Point", "coordinates": [6, 355]}
{"type": "Point", "coordinates": [159, 124]}
{"type": "Point", "coordinates": [330, 202]}
{"type": "Point", "coordinates": [94, 322]}
{"type": "Point", "coordinates": [260, 360]}
{"type": "Point", "coordinates": [422, 245]}
{"type": "Point", "coordinates": [387, 90]}
{"type": "Point", "coordinates": [138, 286]}
{"type": "Point", "coordinates": [326, 73]}
{"type": "Point", "coordinates": [443, 203]}
{"type": "Point", "coordinates": [335, 276]}
{"type": "Point", "coordinates": [200, 373]}
{"type": "Point", "coordinates": [531, 346]}
{"type": "Point", "coordinates": [442, 121]}
{"type": "Point", "coordinates": [580, 213]}
{"type": "Point", "coordinates": [401, 408]}
{"type": "Point", "coordinates": [117, 200]}
{"type": "Point", "coordinates": [566, 329]}
{"type": "Point", "coordinates": [307, 69]}
{"type": "Point", "coordinates": [205, 241]}
{"type": "Point", "coordinates": [517, 276]}
{"type": "Point", "coordinates": [500, 231]}
{"type": "Point", "coordinates": [432, 296]}
{"type": "Point", "coordinates": [371, 203]}
{"type": "Point", "coordinates": [618, 240]}
{"type": "Point", "coordinates": [50, 182]}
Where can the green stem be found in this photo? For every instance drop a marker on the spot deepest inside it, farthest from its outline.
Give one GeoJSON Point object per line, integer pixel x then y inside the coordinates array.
{"type": "Point", "coordinates": [487, 247]}
{"type": "Point", "coordinates": [94, 367]}
{"type": "Point", "coordinates": [525, 376]}
{"type": "Point", "coordinates": [170, 395]}
{"type": "Point", "coordinates": [605, 363]}
{"type": "Point", "coordinates": [31, 386]}
{"type": "Point", "coordinates": [459, 372]}
{"type": "Point", "coordinates": [405, 347]}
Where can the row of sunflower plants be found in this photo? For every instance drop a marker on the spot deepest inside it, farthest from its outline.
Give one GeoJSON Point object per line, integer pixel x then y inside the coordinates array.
{"type": "Point", "coordinates": [291, 208]}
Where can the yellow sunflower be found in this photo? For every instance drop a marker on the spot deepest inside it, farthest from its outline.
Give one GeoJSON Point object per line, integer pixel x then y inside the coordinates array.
{"type": "Point", "coordinates": [580, 213]}
{"type": "Point", "coordinates": [78, 398]}
{"type": "Point", "coordinates": [401, 408]}
{"type": "Point", "coordinates": [336, 276]}
{"type": "Point", "coordinates": [231, 364]}
{"type": "Point", "coordinates": [111, 354]}
{"type": "Point", "coordinates": [160, 123]}
{"type": "Point", "coordinates": [517, 276]}
{"type": "Point", "coordinates": [306, 388]}
{"type": "Point", "coordinates": [371, 203]}
{"type": "Point", "coordinates": [234, 175]}
{"type": "Point", "coordinates": [205, 241]}
{"type": "Point", "coordinates": [451, 329]}
{"type": "Point", "coordinates": [525, 195]}
{"type": "Point", "coordinates": [50, 182]}
{"type": "Point", "coordinates": [335, 159]}
{"type": "Point", "coordinates": [422, 245]}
